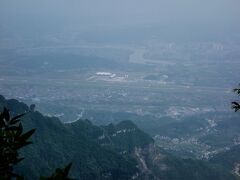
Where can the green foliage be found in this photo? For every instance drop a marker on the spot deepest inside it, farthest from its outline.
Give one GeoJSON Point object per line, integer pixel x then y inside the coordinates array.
{"type": "Point", "coordinates": [12, 139]}
{"type": "Point", "coordinates": [56, 143]}
{"type": "Point", "coordinates": [126, 136]}
{"type": "Point", "coordinates": [236, 105]}
{"type": "Point", "coordinates": [60, 174]}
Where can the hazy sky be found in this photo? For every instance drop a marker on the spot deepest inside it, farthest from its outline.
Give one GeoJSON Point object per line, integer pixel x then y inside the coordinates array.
{"type": "Point", "coordinates": [120, 12]}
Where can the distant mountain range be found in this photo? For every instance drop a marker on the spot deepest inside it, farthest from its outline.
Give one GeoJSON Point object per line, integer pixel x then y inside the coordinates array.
{"type": "Point", "coordinates": [115, 151]}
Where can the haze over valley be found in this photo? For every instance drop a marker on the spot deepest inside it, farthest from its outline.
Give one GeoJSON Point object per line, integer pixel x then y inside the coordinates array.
{"type": "Point", "coordinates": [170, 72]}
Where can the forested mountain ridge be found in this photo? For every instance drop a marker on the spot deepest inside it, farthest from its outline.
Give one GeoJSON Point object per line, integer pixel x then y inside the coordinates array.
{"type": "Point", "coordinates": [115, 151]}
{"type": "Point", "coordinates": [56, 145]}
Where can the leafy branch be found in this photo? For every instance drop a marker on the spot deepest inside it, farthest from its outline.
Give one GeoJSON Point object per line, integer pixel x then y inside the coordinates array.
{"type": "Point", "coordinates": [12, 139]}
{"type": "Point", "coordinates": [60, 174]}
{"type": "Point", "coordinates": [235, 104]}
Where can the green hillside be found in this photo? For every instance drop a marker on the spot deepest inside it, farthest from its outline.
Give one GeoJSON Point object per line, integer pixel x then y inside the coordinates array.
{"type": "Point", "coordinates": [229, 159]}
{"type": "Point", "coordinates": [115, 151]}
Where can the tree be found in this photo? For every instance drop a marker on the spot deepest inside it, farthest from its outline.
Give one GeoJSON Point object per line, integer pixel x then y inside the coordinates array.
{"type": "Point", "coordinates": [12, 139]}
{"type": "Point", "coordinates": [60, 174]}
{"type": "Point", "coordinates": [236, 104]}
